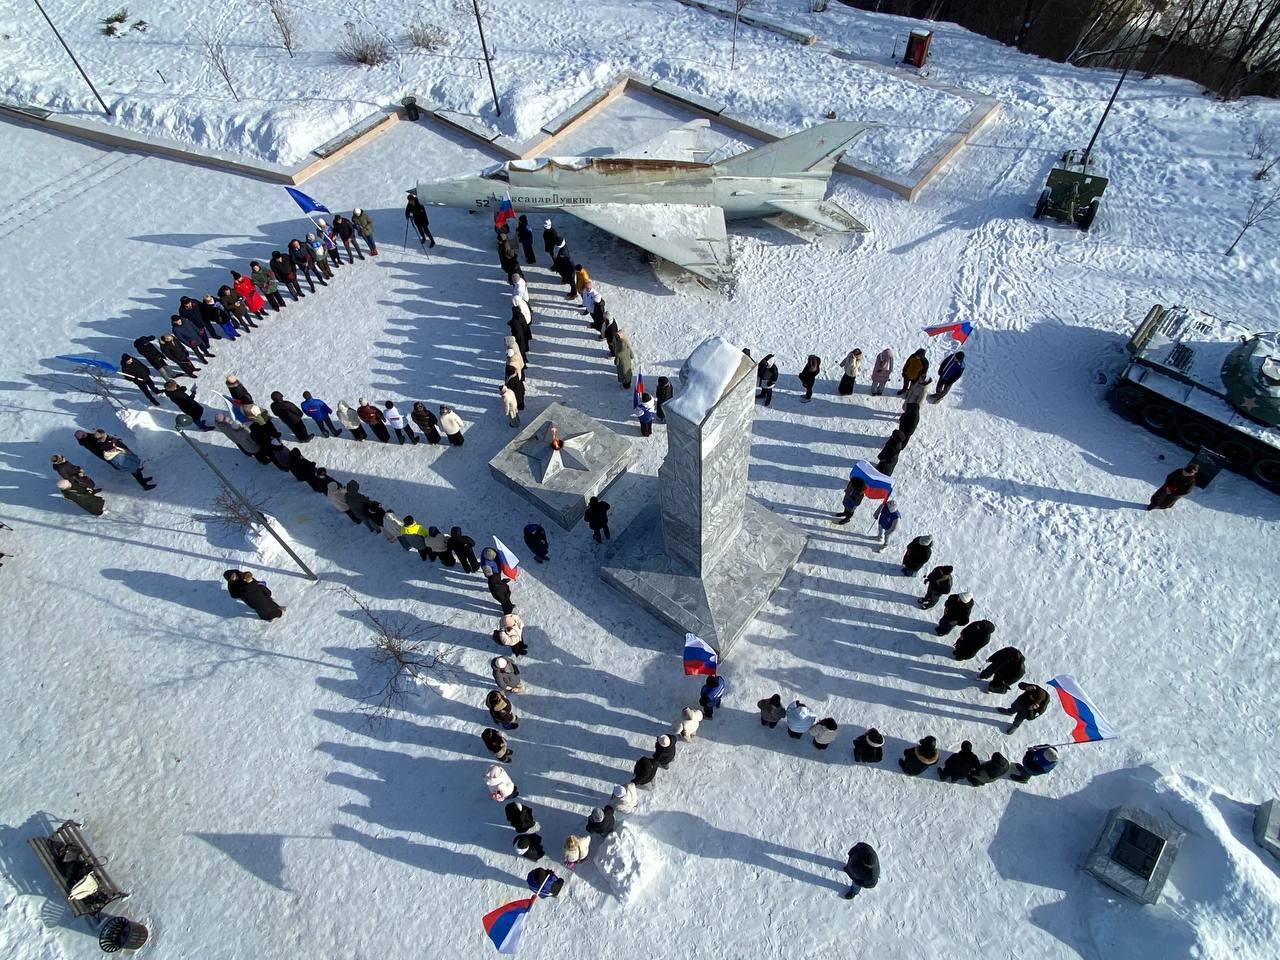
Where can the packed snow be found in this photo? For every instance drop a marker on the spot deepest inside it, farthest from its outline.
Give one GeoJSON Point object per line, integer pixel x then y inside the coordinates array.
{"type": "Point", "coordinates": [230, 769]}
{"type": "Point", "coordinates": [704, 378]}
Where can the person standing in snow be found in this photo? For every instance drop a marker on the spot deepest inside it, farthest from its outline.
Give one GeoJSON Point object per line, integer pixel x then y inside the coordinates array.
{"type": "Point", "coordinates": [266, 285]}
{"type": "Point", "coordinates": [916, 759]}
{"type": "Point", "coordinates": [580, 279]}
{"type": "Point", "coordinates": [863, 869]}
{"type": "Point", "coordinates": [174, 350]}
{"type": "Point", "coordinates": [529, 846]}
{"type": "Point", "coordinates": [515, 362]}
{"type": "Point", "coordinates": [643, 773]}
{"type": "Point", "coordinates": [320, 255]}
{"type": "Point", "coordinates": [257, 596]}
{"type": "Point", "coordinates": [185, 402]}
{"type": "Point", "coordinates": [438, 547]}
{"type": "Point", "coordinates": [868, 747]}
{"type": "Point", "coordinates": [392, 525]}
{"type": "Point", "coordinates": [364, 227]}
{"type": "Point", "coordinates": [766, 377]}
{"type": "Point", "coordinates": [496, 744]}
{"type": "Point", "coordinates": [915, 393]}
{"type": "Point", "coordinates": [500, 590]}
{"type": "Point", "coordinates": [664, 751]}
{"type": "Point", "coordinates": [348, 417]}
{"type": "Point", "coordinates": [960, 765]}
{"type": "Point", "coordinates": [646, 415]}
{"type": "Point", "coordinates": [238, 434]}
{"type": "Point", "coordinates": [337, 495]}
{"type": "Point", "coordinates": [1036, 762]}
{"type": "Point", "coordinates": [889, 453]}
{"type": "Point", "coordinates": [771, 711]}
{"type": "Point", "coordinates": [67, 470]}
{"type": "Point", "coordinates": [426, 421]}
{"type": "Point", "coordinates": [563, 267]}
{"type": "Point", "coordinates": [664, 393]}
{"type": "Point", "coordinates": [937, 585]}
{"type": "Point", "coordinates": [372, 417]}
{"type": "Point", "coordinates": [687, 727]}
{"type": "Point", "coordinates": [118, 456]}
{"type": "Point", "coordinates": [711, 694]}
{"type": "Point", "coordinates": [956, 612]}
{"type": "Point", "coordinates": [1004, 668]}
{"type": "Point", "coordinates": [395, 420]}
{"type": "Point", "coordinates": [191, 337]}
{"type": "Point", "coordinates": [854, 493]}
{"type": "Point", "coordinates": [597, 517]}
{"type": "Point", "coordinates": [809, 376]}
{"type": "Point", "coordinates": [304, 262]}
{"type": "Point", "coordinates": [320, 413]}
{"type": "Point", "coordinates": [624, 798]}
{"type": "Point", "coordinates": [147, 349]}
{"type": "Point", "coordinates": [949, 371]}
{"type": "Point", "coordinates": [886, 517]}
{"type": "Point", "coordinates": [994, 769]}
{"type": "Point", "coordinates": [284, 272]}
{"type": "Point", "coordinates": [520, 816]}
{"type": "Point", "coordinates": [290, 415]}
{"type": "Point", "coordinates": [622, 360]}
{"type": "Point", "coordinates": [550, 239]}
{"type": "Point", "coordinates": [589, 299]}
{"type": "Point", "coordinates": [544, 883]}
{"type": "Point", "coordinates": [501, 710]}
{"type": "Point", "coordinates": [1031, 703]}
{"type": "Point", "coordinates": [452, 425]}
{"type": "Point", "coordinates": [131, 368]}
{"type": "Point", "coordinates": [525, 235]}
{"type": "Point", "coordinates": [882, 371]}
{"type": "Point", "coordinates": [1176, 486]}
{"type": "Point", "coordinates": [329, 241]}
{"type": "Point", "coordinates": [973, 638]}
{"type": "Point", "coordinates": [917, 555]}
{"type": "Point", "coordinates": [500, 785]}
{"type": "Point", "coordinates": [849, 367]}
{"type": "Point", "coordinates": [83, 497]}
{"type": "Point", "coordinates": [914, 369]}
{"type": "Point", "coordinates": [601, 821]}
{"type": "Point", "coordinates": [464, 548]}
{"type": "Point", "coordinates": [413, 536]}
{"type": "Point", "coordinates": [416, 214]}
{"type": "Point", "coordinates": [509, 407]}
{"type": "Point", "coordinates": [535, 538]}
{"type": "Point", "coordinates": [346, 232]}
{"type": "Point", "coordinates": [510, 633]}
{"type": "Point", "coordinates": [236, 308]}
{"type": "Point", "coordinates": [576, 849]}
{"type": "Point", "coordinates": [799, 719]}
{"type": "Point", "coordinates": [249, 292]}
{"type": "Point", "coordinates": [824, 732]}
{"type": "Point", "coordinates": [506, 675]}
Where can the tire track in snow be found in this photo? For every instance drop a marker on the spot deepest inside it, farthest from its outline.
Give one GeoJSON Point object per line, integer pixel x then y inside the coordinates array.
{"type": "Point", "coordinates": [45, 199]}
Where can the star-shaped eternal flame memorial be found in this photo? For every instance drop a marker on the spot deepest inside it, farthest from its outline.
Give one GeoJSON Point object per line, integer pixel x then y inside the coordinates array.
{"type": "Point", "coordinates": [561, 459]}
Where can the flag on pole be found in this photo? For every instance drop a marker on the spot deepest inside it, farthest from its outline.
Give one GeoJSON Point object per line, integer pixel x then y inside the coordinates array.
{"type": "Point", "coordinates": [506, 211]}
{"type": "Point", "coordinates": [639, 390]}
{"type": "Point", "coordinates": [505, 924]}
{"type": "Point", "coordinates": [89, 362]}
{"type": "Point", "coordinates": [1089, 723]}
{"type": "Point", "coordinates": [879, 486]}
{"type": "Point", "coordinates": [307, 204]}
{"type": "Point", "coordinates": [959, 331]}
{"type": "Point", "coordinates": [508, 562]}
{"type": "Point", "coordinates": [699, 658]}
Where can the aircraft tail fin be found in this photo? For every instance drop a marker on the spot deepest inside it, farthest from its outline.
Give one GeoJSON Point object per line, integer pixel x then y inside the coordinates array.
{"type": "Point", "coordinates": [814, 149]}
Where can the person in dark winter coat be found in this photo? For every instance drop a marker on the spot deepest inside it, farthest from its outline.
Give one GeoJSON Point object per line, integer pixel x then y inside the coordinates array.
{"type": "Point", "coordinates": [520, 816]}
{"type": "Point", "coordinates": [645, 770]}
{"type": "Point", "coordinates": [908, 422]}
{"type": "Point", "coordinates": [282, 267]}
{"type": "Point", "coordinates": [374, 514]}
{"type": "Point", "coordinates": [809, 376]}
{"type": "Point", "coordinates": [290, 415]}
{"type": "Point", "coordinates": [854, 493]}
{"type": "Point", "coordinates": [938, 585]}
{"type": "Point", "coordinates": [238, 392]}
{"type": "Point", "coordinates": [824, 732]}
{"type": "Point", "coordinates": [863, 869]}
{"type": "Point", "coordinates": [373, 419]}
{"type": "Point", "coordinates": [178, 396]}
{"type": "Point", "coordinates": [914, 369]}
{"type": "Point", "coordinates": [346, 232]}
{"type": "Point", "coordinates": [563, 267]}
{"type": "Point", "coordinates": [949, 371]}
{"type": "Point", "coordinates": [214, 314]}
{"type": "Point", "coordinates": [1036, 762]}
{"type": "Point", "coordinates": [973, 638]}
{"type": "Point", "coordinates": [664, 751]}
{"type": "Point", "coordinates": [956, 612]}
{"type": "Point", "coordinates": [766, 377]}
{"type": "Point", "coordinates": [550, 239]}
{"type": "Point", "coordinates": [82, 497]}
{"type": "Point", "coordinates": [661, 395]}
{"type": "Point", "coordinates": [601, 821]}
{"type": "Point", "coordinates": [917, 555]}
{"type": "Point", "coordinates": [535, 538]}
{"type": "Point", "coordinates": [304, 263]}
{"type": "Point", "coordinates": [464, 548]}
{"type": "Point", "coordinates": [771, 711]}
{"type": "Point", "coordinates": [364, 226]}
{"type": "Point", "coordinates": [236, 309]}
{"type": "Point", "coordinates": [1031, 703]}
{"type": "Point", "coordinates": [916, 760]}
{"type": "Point", "coordinates": [173, 350]}
{"type": "Point", "coordinates": [67, 470]}
{"type": "Point", "coordinates": [995, 768]}
{"type": "Point", "coordinates": [516, 385]}
{"type": "Point", "coordinates": [525, 236]}
{"type": "Point", "coordinates": [1004, 668]}
{"type": "Point", "coordinates": [889, 453]}
{"type": "Point", "coordinates": [258, 597]}
{"type": "Point", "coordinates": [265, 284]}
{"type": "Point", "coordinates": [279, 454]}
{"type": "Point", "coordinates": [500, 590]}
{"type": "Point", "coordinates": [356, 501]}
{"type": "Point", "coordinates": [416, 214]}
{"type": "Point", "coordinates": [320, 482]}
{"type": "Point", "coordinates": [711, 694]}
{"type": "Point", "coordinates": [426, 421]}
{"type": "Point", "coordinates": [542, 881]}
{"type": "Point", "coordinates": [321, 415]}
{"type": "Point", "coordinates": [501, 710]}
{"type": "Point", "coordinates": [960, 764]}
{"type": "Point", "coordinates": [496, 744]}
{"type": "Point", "coordinates": [131, 368]}
{"type": "Point", "coordinates": [1176, 486]}
{"type": "Point", "coordinates": [869, 747]}
{"type": "Point", "coordinates": [303, 470]}
{"type": "Point", "coordinates": [150, 352]}
{"type": "Point", "coordinates": [597, 517]}
{"type": "Point", "coordinates": [529, 846]}
{"type": "Point", "coordinates": [191, 337]}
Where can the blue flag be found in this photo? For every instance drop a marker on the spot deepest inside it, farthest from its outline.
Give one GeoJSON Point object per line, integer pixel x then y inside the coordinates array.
{"type": "Point", "coordinates": [305, 202]}
{"type": "Point", "coordinates": [88, 362]}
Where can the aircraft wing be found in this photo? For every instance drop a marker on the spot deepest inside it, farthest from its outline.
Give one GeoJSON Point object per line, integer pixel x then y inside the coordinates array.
{"type": "Point", "coordinates": [682, 143]}
{"type": "Point", "coordinates": [692, 237]}
{"type": "Point", "coordinates": [825, 213]}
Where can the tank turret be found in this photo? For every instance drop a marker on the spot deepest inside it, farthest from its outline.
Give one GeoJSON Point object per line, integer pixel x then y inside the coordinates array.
{"type": "Point", "coordinates": [1251, 376]}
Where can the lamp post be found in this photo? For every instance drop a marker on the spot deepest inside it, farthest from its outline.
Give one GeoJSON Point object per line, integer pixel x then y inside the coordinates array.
{"type": "Point", "coordinates": [180, 424]}
{"type": "Point", "coordinates": [475, 5]}
{"type": "Point", "coordinates": [105, 108]}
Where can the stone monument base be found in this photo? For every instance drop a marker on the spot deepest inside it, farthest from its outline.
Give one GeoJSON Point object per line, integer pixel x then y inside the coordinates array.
{"type": "Point", "coordinates": [717, 607]}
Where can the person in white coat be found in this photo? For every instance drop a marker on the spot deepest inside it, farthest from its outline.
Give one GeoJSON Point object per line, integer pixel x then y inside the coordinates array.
{"type": "Point", "coordinates": [687, 728]}
{"type": "Point", "coordinates": [624, 798]}
{"type": "Point", "coordinates": [589, 298]}
{"type": "Point", "coordinates": [506, 675]}
{"type": "Point", "coordinates": [510, 633]}
{"type": "Point", "coordinates": [576, 849]}
{"type": "Point", "coordinates": [799, 719]}
{"type": "Point", "coordinates": [452, 425]}
{"type": "Point", "coordinates": [509, 405]}
{"type": "Point", "coordinates": [348, 418]}
{"type": "Point", "coordinates": [501, 787]}
{"type": "Point", "coordinates": [514, 359]}
{"type": "Point", "coordinates": [392, 527]}
{"type": "Point", "coordinates": [396, 421]}
{"type": "Point", "coordinates": [915, 393]}
{"type": "Point", "coordinates": [520, 289]}
{"type": "Point", "coordinates": [521, 306]}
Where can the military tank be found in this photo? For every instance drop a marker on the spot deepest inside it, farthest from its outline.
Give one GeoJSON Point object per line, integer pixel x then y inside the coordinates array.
{"type": "Point", "coordinates": [1205, 382]}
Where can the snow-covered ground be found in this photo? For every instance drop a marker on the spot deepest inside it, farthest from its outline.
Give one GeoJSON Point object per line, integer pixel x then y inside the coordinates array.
{"type": "Point", "coordinates": [226, 766]}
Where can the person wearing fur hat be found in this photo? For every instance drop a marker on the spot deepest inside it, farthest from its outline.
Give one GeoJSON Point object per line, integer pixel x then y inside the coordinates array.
{"type": "Point", "coordinates": [955, 613]}
{"type": "Point", "coordinates": [520, 816]}
{"type": "Point", "coordinates": [550, 238]}
{"type": "Point", "coordinates": [1004, 668]}
{"type": "Point", "coordinates": [506, 675]}
{"type": "Point", "coordinates": [960, 764]}
{"type": "Point", "coordinates": [509, 408]}
{"type": "Point", "coordinates": [1031, 703]}
{"type": "Point", "coordinates": [917, 555]}
{"type": "Point", "coordinates": [868, 747]}
{"type": "Point", "coordinates": [529, 846]}
{"type": "Point", "coordinates": [664, 751]}
{"type": "Point", "coordinates": [887, 519]}
{"type": "Point", "coordinates": [711, 694]}
{"type": "Point", "coordinates": [600, 821]}
{"type": "Point", "coordinates": [799, 719]}
{"type": "Point", "coordinates": [515, 362]}
{"type": "Point", "coordinates": [862, 866]}
{"type": "Point", "coordinates": [849, 367]}
{"type": "Point", "coordinates": [576, 849]}
{"type": "Point", "coordinates": [771, 711]}
{"type": "Point", "coordinates": [426, 421]}
{"type": "Point", "coordinates": [644, 771]}
{"type": "Point", "coordinates": [542, 881]}
{"type": "Point", "coordinates": [995, 768]}
{"type": "Point", "coordinates": [452, 425]}
{"type": "Point", "coordinates": [1036, 762]}
{"type": "Point", "coordinates": [687, 727]}
{"type": "Point", "coordinates": [937, 585]}
{"type": "Point", "coordinates": [83, 497]}
{"type": "Point", "coordinates": [624, 798]}
{"type": "Point", "coordinates": [501, 786]}
{"type": "Point", "coordinates": [919, 758]}
{"type": "Point", "coordinates": [501, 710]}
{"type": "Point", "coordinates": [824, 732]}
{"type": "Point", "coordinates": [510, 633]}
{"type": "Point", "coordinates": [496, 744]}
{"type": "Point", "coordinates": [973, 638]}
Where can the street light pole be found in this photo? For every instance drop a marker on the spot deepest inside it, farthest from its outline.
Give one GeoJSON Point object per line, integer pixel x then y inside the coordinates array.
{"type": "Point", "coordinates": [185, 421]}
{"type": "Point", "coordinates": [475, 5]}
{"type": "Point", "coordinates": [105, 108]}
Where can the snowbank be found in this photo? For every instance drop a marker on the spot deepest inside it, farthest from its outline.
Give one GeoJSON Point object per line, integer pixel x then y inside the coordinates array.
{"type": "Point", "coordinates": [704, 377]}
{"type": "Point", "coordinates": [629, 859]}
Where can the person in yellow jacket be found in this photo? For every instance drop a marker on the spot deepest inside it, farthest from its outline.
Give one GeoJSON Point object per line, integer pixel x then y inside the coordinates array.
{"type": "Point", "coordinates": [914, 369]}
{"type": "Point", "coordinates": [580, 278]}
{"type": "Point", "coordinates": [413, 536]}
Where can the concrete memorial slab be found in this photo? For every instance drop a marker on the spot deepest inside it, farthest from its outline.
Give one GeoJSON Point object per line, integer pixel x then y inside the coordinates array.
{"type": "Point", "coordinates": [1266, 827]}
{"type": "Point", "coordinates": [1135, 853]}
{"type": "Point", "coordinates": [560, 460]}
{"type": "Point", "coordinates": [705, 558]}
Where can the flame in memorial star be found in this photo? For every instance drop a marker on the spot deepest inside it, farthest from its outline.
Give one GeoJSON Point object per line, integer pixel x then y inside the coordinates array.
{"type": "Point", "coordinates": [545, 463]}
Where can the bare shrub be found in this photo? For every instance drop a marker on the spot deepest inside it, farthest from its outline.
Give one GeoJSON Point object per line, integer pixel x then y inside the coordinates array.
{"type": "Point", "coordinates": [363, 48]}
{"type": "Point", "coordinates": [215, 52]}
{"type": "Point", "coordinates": [229, 511]}
{"type": "Point", "coordinates": [1263, 207]}
{"type": "Point", "coordinates": [426, 36]}
{"type": "Point", "coordinates": [282, 18]}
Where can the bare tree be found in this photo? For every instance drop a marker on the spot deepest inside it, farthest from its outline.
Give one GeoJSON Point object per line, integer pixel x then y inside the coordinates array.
{"type": "Point", "coordinates": [215, 52]}
{"type": "Point", "coordinates": [1263, 207]}
{"type": "Point", "coordinates": [738, 7]}
{"type": "Point", "coordinates": [402, 658]}
{"type": "Point", "coordinates": [282, 17]}
{"type": "Point", "coordinates": [1264, 171]}
{"type": "Point", "coordinates": [230, 511]}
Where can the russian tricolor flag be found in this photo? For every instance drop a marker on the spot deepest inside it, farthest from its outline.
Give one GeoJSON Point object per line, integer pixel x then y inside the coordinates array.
{"type": "Point", "coordinates": [879, 487]}
{"type": "Point", "coordinates": [506, 211]}
{"type": "Point", "coordinates": [639, 391]}
{"type": "Point", "coordinates": [507, 561]}
{"type": "Point", "coordinates": [1089, 723]}
{"type": "Point", "coordinates": [959, 331]}
{"type": "Point", "coordinates": [505, 924]}
{"type": "Point", "coordinates": [699, 658]}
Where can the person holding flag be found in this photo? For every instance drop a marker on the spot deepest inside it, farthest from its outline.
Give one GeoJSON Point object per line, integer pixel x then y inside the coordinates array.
{"type": "Point", "coordinates": [949, 371]}
{"type": "Point", "coordinates": [711, 695]}
{"type": "Point", "coordinates": [699, 657]}
{"type": "Point", "coordinates": [506, 211]}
